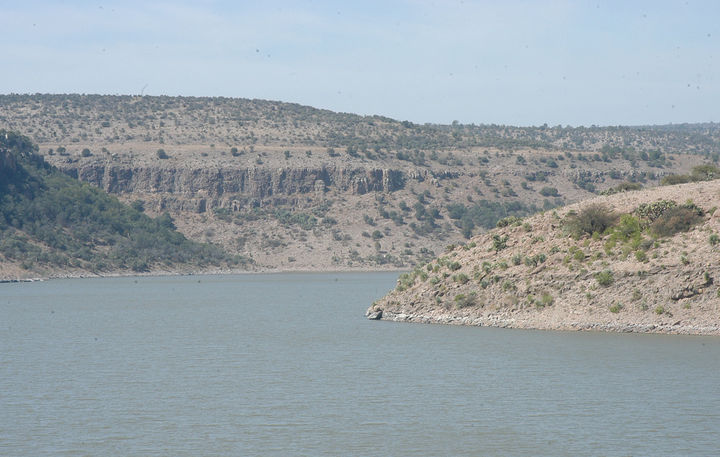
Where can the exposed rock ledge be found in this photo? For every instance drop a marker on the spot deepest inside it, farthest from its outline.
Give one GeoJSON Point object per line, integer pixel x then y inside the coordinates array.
{"type": "Point", "coordinates": [541, 278]}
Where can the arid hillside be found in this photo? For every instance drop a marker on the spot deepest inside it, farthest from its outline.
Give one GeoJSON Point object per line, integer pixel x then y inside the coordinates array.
{"type": "Point", "coordinates": [639, 261]}
{"type": "Point", "coordinates": [299, 188]}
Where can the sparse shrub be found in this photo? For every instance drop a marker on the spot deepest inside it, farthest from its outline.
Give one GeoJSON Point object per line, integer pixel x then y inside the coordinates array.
{"type": "Point", "coordinates": [549, 192]}
{"type": "Point", "coordinates": [714, 239]}
{"type": "Point", "coordinates": [454, 266]}
{"type": "Point", "coordinates": [547, 299]}
{"type": "Point", "coordinates": [640, 256]}
{"type": "Point", "coordinates": [676, 219]}
{"type": "Point", "coordinates": [636, 295]}
{"type": "Point", "coordinates": [535, 260]}
{"type": "Point", "coordinates": [671, 180]}
{"type": "Point", "coordinates": [405, 281]}
{"type": "Point", "coordinates": [660, 309]}
{"type": "Point", "coordinates": [509, 220]}
{"type": "Point", "coordinates": [616, 308]}
{"type": "Point", "coordinates": [517, 259]}
{"type": "Point", "coordinates": [622, 187]}
{"type": "Point", "coordinates": [593, 218]}
{"type": "Point", "coordinates": [463, 300]}
{"type": "Point", "coordinates": [499, 242]}
{"type": "Point", "coordinates": [462, 278]}
{"type": "Point", "coordinates": [577, 254]}
{"type": "Point", "coordinates": [605, 278]}
{"type": "Point", "coordinates": [705, 172]}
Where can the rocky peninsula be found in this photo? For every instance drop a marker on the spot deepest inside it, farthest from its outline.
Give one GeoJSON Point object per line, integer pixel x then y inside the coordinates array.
{"type": "Point", "coordinates": [640, 261]}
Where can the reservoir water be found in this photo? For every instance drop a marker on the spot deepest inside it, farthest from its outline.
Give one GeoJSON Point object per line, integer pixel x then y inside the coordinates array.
{"type": "Point", "coordinates": [286, 365]}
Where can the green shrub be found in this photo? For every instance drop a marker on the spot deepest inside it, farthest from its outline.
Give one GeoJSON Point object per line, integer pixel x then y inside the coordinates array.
{"type": "Point", "coordinates": [462, 278]}
{"type": "Point", "coordinates": [463, 301]}
{"type": "Point", "coordinates": [714, 239]}
{"type": "Point", "coordinates": [535, 260]}
{"type": "Point", "coordinates": [547, 299]}
{"type": "Point", "coordinates": [499, 242]}
{"type": "Point", "coordinates": [509, 220]}
{"type": "Point", "coordinates": [405, 281]}
{"type": "Point", "coordinates": [454, 266]}
{"type": "Point", "coordinates": [605, 278]}
{"type": "Point", "coordinates": [616, 308]}
{"type": "Point", "coordinates": [592, 218]}
{"type": "Point", "coordinates": [549, 192]}
{"type": "Point", "coordinates": [578, 254]}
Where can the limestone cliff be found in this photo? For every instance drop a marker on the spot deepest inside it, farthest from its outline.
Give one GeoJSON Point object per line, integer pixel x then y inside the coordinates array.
{"type": "Point", "coordinates": [216, 184]}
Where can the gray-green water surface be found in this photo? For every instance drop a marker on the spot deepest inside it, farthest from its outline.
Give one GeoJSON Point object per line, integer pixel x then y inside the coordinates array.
{"type": "Point", "coordinates": [286, 365]}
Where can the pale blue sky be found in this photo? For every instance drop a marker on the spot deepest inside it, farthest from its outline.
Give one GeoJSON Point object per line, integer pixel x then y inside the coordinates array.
{"type": "Point", "coordinates": [515, 62]}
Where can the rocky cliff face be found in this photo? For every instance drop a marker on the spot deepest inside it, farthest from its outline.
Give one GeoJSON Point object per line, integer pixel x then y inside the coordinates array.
{"type": "Point", "coordinates": [207, 187]}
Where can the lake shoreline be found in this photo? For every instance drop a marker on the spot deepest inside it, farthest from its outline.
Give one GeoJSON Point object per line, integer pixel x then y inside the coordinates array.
{"type": "Point", "coordinates": [528, 323]}
{"type": "Point", "coordinates": [19, 278]}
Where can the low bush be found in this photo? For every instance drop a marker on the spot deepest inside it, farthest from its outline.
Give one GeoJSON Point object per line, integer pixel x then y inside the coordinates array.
{"type": "Point", "coordinates": [675, 220]}
{"type": "Point", "coordinates": [463, 300]}
{"type": "Point", "coordinates": [591, 219]}
{"type": "Point", "coordinates": [605, 278]}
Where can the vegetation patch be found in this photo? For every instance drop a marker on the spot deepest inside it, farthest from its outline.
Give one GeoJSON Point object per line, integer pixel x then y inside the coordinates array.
{"type": "Point", "coordinates": [50, 219]}
{"type": "Point", "coordinates": [594, 218]}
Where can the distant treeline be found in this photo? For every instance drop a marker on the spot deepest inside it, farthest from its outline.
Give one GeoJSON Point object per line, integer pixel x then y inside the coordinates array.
{"type": "Point", "coordinates": [243, 121]}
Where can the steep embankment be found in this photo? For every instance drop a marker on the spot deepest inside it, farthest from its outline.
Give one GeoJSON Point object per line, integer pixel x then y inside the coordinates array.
{"type": "Point", "coordinates": [644, 261]}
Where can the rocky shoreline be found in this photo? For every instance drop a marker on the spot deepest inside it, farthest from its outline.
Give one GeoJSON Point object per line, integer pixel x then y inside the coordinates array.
{"type": "Point", "coordinates": [677, 327]}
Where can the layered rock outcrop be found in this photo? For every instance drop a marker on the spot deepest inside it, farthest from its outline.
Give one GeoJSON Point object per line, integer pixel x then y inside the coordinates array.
{"type": "Point", "coordinates": [204, 187]}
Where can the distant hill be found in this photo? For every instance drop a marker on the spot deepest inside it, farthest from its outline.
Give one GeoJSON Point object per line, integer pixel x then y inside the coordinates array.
{"type": "Point", "coordinates": [300, 188]}
{"type": "Point", "coordinates": [637, 261]}
{"type": "Point", "coordinates": [51, 224]}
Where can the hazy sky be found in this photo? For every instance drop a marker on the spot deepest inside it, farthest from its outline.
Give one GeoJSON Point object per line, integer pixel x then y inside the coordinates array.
{"type": "Point", "coordinates": [512, 62]}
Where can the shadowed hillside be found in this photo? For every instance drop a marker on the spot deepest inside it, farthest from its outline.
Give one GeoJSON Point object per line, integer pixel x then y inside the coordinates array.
{"type": "Point", "coordinates": [52, 224]}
